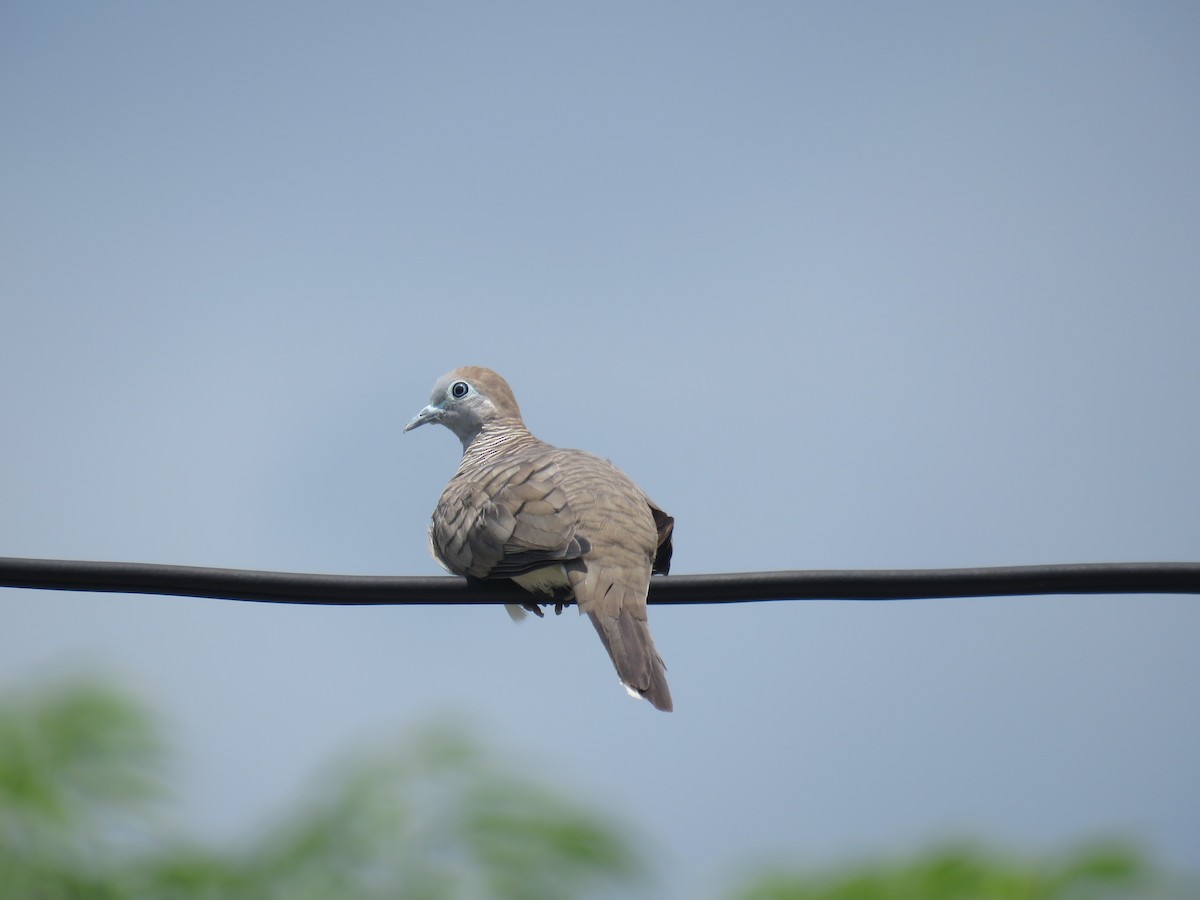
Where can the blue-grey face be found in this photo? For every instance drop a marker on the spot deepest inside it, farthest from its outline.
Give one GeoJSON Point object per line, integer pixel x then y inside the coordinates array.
{"type": "Point", "coordinates": [456, 403]}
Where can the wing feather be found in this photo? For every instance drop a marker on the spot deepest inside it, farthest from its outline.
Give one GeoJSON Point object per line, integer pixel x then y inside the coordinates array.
{"type": "Point", "coordinates": [515, 521]}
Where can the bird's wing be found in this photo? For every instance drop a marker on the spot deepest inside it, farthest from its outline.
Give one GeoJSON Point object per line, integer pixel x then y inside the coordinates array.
{"type": "Point", "coordinates": [513, 520]}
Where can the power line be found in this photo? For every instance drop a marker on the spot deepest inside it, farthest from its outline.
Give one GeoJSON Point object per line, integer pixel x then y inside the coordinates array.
{"type": "Point", "coordinates": [736, 587]}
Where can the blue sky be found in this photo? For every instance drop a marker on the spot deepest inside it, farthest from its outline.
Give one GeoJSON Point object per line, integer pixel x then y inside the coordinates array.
{"type": "Point", "coordinates": [841, 286]}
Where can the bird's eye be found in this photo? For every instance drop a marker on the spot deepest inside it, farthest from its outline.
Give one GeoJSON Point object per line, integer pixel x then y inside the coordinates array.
{"type": "Point", "coordinates": [459, 389]}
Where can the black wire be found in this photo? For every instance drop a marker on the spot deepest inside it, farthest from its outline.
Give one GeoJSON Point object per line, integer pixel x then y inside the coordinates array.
{"type": "Point", "coordinates": [736, 587]}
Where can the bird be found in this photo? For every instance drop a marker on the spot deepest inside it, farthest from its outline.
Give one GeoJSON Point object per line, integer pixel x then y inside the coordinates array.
{"type": "Point", "coordinates": [562, 524]}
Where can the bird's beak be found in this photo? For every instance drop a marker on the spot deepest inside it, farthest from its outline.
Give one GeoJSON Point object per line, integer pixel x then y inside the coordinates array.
{"type": "Point", "coordinates": [430, 413]}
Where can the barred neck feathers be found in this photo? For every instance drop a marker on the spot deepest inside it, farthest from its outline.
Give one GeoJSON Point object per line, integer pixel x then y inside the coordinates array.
{"type": "Point", "coordinates": [498, 436]}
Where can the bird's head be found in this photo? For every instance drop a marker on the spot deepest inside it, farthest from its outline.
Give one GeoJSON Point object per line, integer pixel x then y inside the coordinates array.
{"type": "Point", "coordinates": [468, 399]}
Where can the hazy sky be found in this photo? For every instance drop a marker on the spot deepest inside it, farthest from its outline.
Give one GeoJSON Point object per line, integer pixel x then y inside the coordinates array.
{"type": "Point", "coordinates": [840, 285]}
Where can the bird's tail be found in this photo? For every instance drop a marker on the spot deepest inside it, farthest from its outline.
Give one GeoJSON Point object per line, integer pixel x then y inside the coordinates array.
{"type": "Point", "coordinates": [631, 648]}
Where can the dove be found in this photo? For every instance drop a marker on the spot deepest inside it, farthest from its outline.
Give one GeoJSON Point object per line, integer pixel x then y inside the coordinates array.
{"type": "Point", "coordinates": [563, 524]}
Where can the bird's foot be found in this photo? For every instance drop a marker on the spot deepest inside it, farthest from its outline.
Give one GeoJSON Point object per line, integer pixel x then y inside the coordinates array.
{"type": "Point", "coordinates": [562, 599]}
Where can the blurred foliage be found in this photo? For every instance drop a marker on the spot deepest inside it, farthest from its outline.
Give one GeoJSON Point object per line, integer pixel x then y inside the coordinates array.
{"type": "Point", "coordinates": [1102, 872]}
{"type": "Point", "coordinates": [82, 783]}
{"type": "Point", "coordinates": [81, 768]}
